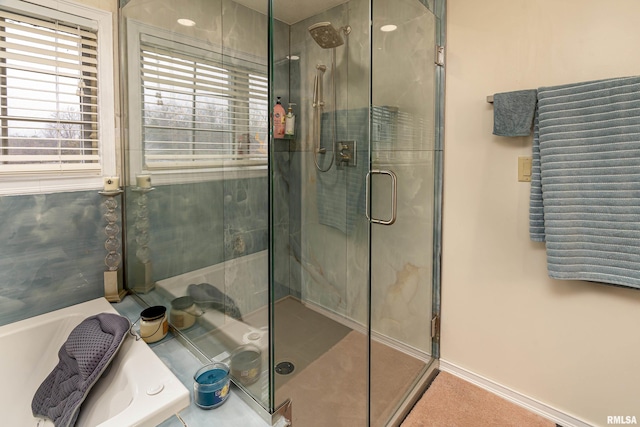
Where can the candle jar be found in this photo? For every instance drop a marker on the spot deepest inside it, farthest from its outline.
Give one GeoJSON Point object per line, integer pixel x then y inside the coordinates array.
{"type": "Point", "coordinates": [143, 181]}
{"type": "Point", "coordinates": [111, 183]}
{"type": "Point", "coordinates": [246, 363]}
{"type": "Point", "coordinates": [184, 312]}
{"type": "Point", "coordinates": [211, 385]}
{"type": "Point", "coordinates": [153, 324]}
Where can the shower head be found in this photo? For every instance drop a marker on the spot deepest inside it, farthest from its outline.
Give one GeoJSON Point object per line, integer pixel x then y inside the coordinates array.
{"type": "Point", "coordinates": [326, 35]}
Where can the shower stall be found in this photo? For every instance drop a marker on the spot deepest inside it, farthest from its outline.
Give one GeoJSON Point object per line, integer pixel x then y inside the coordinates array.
{"type": "Point", "coordinates": [310, 263]}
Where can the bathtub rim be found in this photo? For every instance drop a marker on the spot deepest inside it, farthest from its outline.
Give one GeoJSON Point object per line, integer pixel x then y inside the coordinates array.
{"type": "Point", "coordinates": [144, 409]}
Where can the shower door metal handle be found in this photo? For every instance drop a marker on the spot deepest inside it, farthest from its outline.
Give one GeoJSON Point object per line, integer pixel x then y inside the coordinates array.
{"type": "Point", "coordinates": [394, 196]}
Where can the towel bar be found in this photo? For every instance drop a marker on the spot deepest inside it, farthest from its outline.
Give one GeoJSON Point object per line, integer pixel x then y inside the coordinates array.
{"type": "Point", "coordinates": [490, 99]}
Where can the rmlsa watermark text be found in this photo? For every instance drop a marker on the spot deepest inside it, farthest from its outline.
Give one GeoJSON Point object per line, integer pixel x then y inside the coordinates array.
{"type": "Point", "coordinates": [621, 419]}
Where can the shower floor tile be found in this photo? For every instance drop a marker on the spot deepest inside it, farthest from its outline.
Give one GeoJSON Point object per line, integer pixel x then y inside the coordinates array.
{"type": "Point", "coordinates": [331, 366]}
{"type": "Point", "coordinates": [302, 336]}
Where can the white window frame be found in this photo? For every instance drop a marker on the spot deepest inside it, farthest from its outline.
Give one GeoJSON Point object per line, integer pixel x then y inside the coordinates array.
{"type": "Point", "coordinates": [137, 30]}
{"type": "Point", "coordinates": [52, 182]}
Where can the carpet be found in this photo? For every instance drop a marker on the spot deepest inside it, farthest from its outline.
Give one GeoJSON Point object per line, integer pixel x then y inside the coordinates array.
{"type": "Point", "coordinates": [452, 402]}
{"type": "Point", "coordinates": [332, 390]}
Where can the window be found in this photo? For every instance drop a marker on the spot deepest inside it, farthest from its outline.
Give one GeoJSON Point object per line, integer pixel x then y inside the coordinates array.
{"type": "Point", "coordinates": [194, 113]}
{"type": "Point", "coordinates": [200, 112]}
{"type": "Point", "coordinates": [53, 120]}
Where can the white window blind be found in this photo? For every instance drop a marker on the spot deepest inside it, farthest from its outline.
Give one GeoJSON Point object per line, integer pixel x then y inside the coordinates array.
{"type": "Point", "coordinates": [48, 96]}
{"type": "Point", "coordinates": [200, 113]}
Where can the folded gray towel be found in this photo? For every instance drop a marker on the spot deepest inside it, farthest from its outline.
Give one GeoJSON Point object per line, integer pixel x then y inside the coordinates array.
{"type": "Point", "coordinates": [83, 358]}
{"type": "Point", "coordinates": [513, 112]}
{"type": "Point", "coordinates": [206, 295]}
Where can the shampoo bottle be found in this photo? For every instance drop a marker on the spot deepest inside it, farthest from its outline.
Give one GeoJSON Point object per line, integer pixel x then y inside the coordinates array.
{"type": "Point", "coordinates": [278, 120]}
{"type": "Point", "coordinates": [290, 122]}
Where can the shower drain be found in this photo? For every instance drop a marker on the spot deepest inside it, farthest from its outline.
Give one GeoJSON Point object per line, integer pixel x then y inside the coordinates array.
{"type": "Point", "coordinates": [284, 368]}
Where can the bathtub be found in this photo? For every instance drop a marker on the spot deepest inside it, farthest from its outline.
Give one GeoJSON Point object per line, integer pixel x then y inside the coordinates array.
{"type": "Point", "coordinates": [239, 278]}
{"type": "Point", "coordinates": [137, 389]}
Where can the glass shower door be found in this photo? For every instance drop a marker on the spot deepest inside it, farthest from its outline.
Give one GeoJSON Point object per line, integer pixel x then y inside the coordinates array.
{"type": "Point", "coordinates": [352, 209]}
{"type": "Point", "coordinates": [402, 201]}
{"type": "Point", "coordinates": [320, 252]}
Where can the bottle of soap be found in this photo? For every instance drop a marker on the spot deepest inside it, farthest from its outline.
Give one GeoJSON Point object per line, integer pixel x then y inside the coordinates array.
{"type": "Point", "coordinates": [278, 120]}
{"type": "Point", "coordinates": [290, 121]}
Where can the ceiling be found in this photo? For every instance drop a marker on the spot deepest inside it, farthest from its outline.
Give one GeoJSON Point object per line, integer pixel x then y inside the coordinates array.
{"type": "Point", "coordinates": [292, 11]}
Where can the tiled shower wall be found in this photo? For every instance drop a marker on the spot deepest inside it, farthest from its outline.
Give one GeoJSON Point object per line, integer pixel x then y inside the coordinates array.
{"type": "Point", "coordinates": [196, 225]}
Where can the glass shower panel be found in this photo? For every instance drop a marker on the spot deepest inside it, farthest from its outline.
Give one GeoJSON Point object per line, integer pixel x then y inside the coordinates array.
{"type": "Point", "coordinates": [196, 114]}
{"type": "Point", "coordinates": [403, 135]}
{"type": "Point", "coordinates": [321, 322]}
{"type": "Point", "coordinates": [340, 325]}
{"type": "Point", "coordinates": [246, 200]}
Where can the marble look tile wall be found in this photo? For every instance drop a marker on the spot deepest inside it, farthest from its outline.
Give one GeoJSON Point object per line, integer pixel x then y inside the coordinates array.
{"type": "Point", "coordinates": [244, 30]}
{"type": "Point", "coordinates": [52, 252]}
{"type": "Point", "coordinates": [429, 3]}
{"type": "Point", "coordinates": [245, 217]}
{"type": "Point", "coordinates": [284, 70]}
{"type": "Point", "coordinates": [164, 14]}
{"type": "Point", "coordinates": [334, 263]}
{"type": "Point", "coordinates": [196, 225]}
{"type": "Point", "coordinates": [402, 274]}
{"type": "Point", "coordinates": [281, 221]}
{"type": "Point", "coordinates": [331, 265]}
{"type": "Point", "coordinates": [401, 291]}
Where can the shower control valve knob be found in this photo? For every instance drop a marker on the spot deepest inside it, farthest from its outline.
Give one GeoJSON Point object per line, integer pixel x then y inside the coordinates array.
{"type": "Point", "coordinates": [344, 157]}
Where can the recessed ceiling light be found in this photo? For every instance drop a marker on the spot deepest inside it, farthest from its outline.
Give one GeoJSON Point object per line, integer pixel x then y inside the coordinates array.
{"type": "Point", "coordinates": [186, 22]}
{"type": "Point", "coordinates": [388, 28]}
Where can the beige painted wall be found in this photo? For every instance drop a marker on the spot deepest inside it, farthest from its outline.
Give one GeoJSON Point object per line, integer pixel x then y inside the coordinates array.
{"type": "Point", "coordinates": [574, 346]}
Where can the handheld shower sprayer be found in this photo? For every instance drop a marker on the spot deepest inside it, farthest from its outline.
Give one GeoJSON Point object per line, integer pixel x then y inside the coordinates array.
{"type": "Point", "coordinates": [317, 86]}
{"type": "Point", "coordinates": [327, 37]}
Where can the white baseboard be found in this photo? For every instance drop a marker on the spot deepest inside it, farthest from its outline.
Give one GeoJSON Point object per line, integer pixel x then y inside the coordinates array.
{"type": "Point", "coordinates": [512, 396]}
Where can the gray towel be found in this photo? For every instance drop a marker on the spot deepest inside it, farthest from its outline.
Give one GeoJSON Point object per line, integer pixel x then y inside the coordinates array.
{"type": "Point", "coordinates": [536, 211]}
{"type": "Point", "coordinates": [83, 358]}
{"type": "Point", "coordinates": [340, 191]}
{"type": "Point", "coordinates": [208, 296]}
{"type": "Point", "coordinates": [585, 190]}
{"type": "Point", "coordinates": [513, 112]}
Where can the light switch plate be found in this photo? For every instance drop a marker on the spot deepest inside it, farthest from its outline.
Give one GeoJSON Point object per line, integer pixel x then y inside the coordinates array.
{"type": "Point", "coordinates": [524, 168]}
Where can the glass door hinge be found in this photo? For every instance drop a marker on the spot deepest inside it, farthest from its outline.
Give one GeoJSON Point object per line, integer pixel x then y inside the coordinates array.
{"type": "Point", "coordinates": [435, 326]}
{"type": "Point", "coordinates": [440, 56]}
